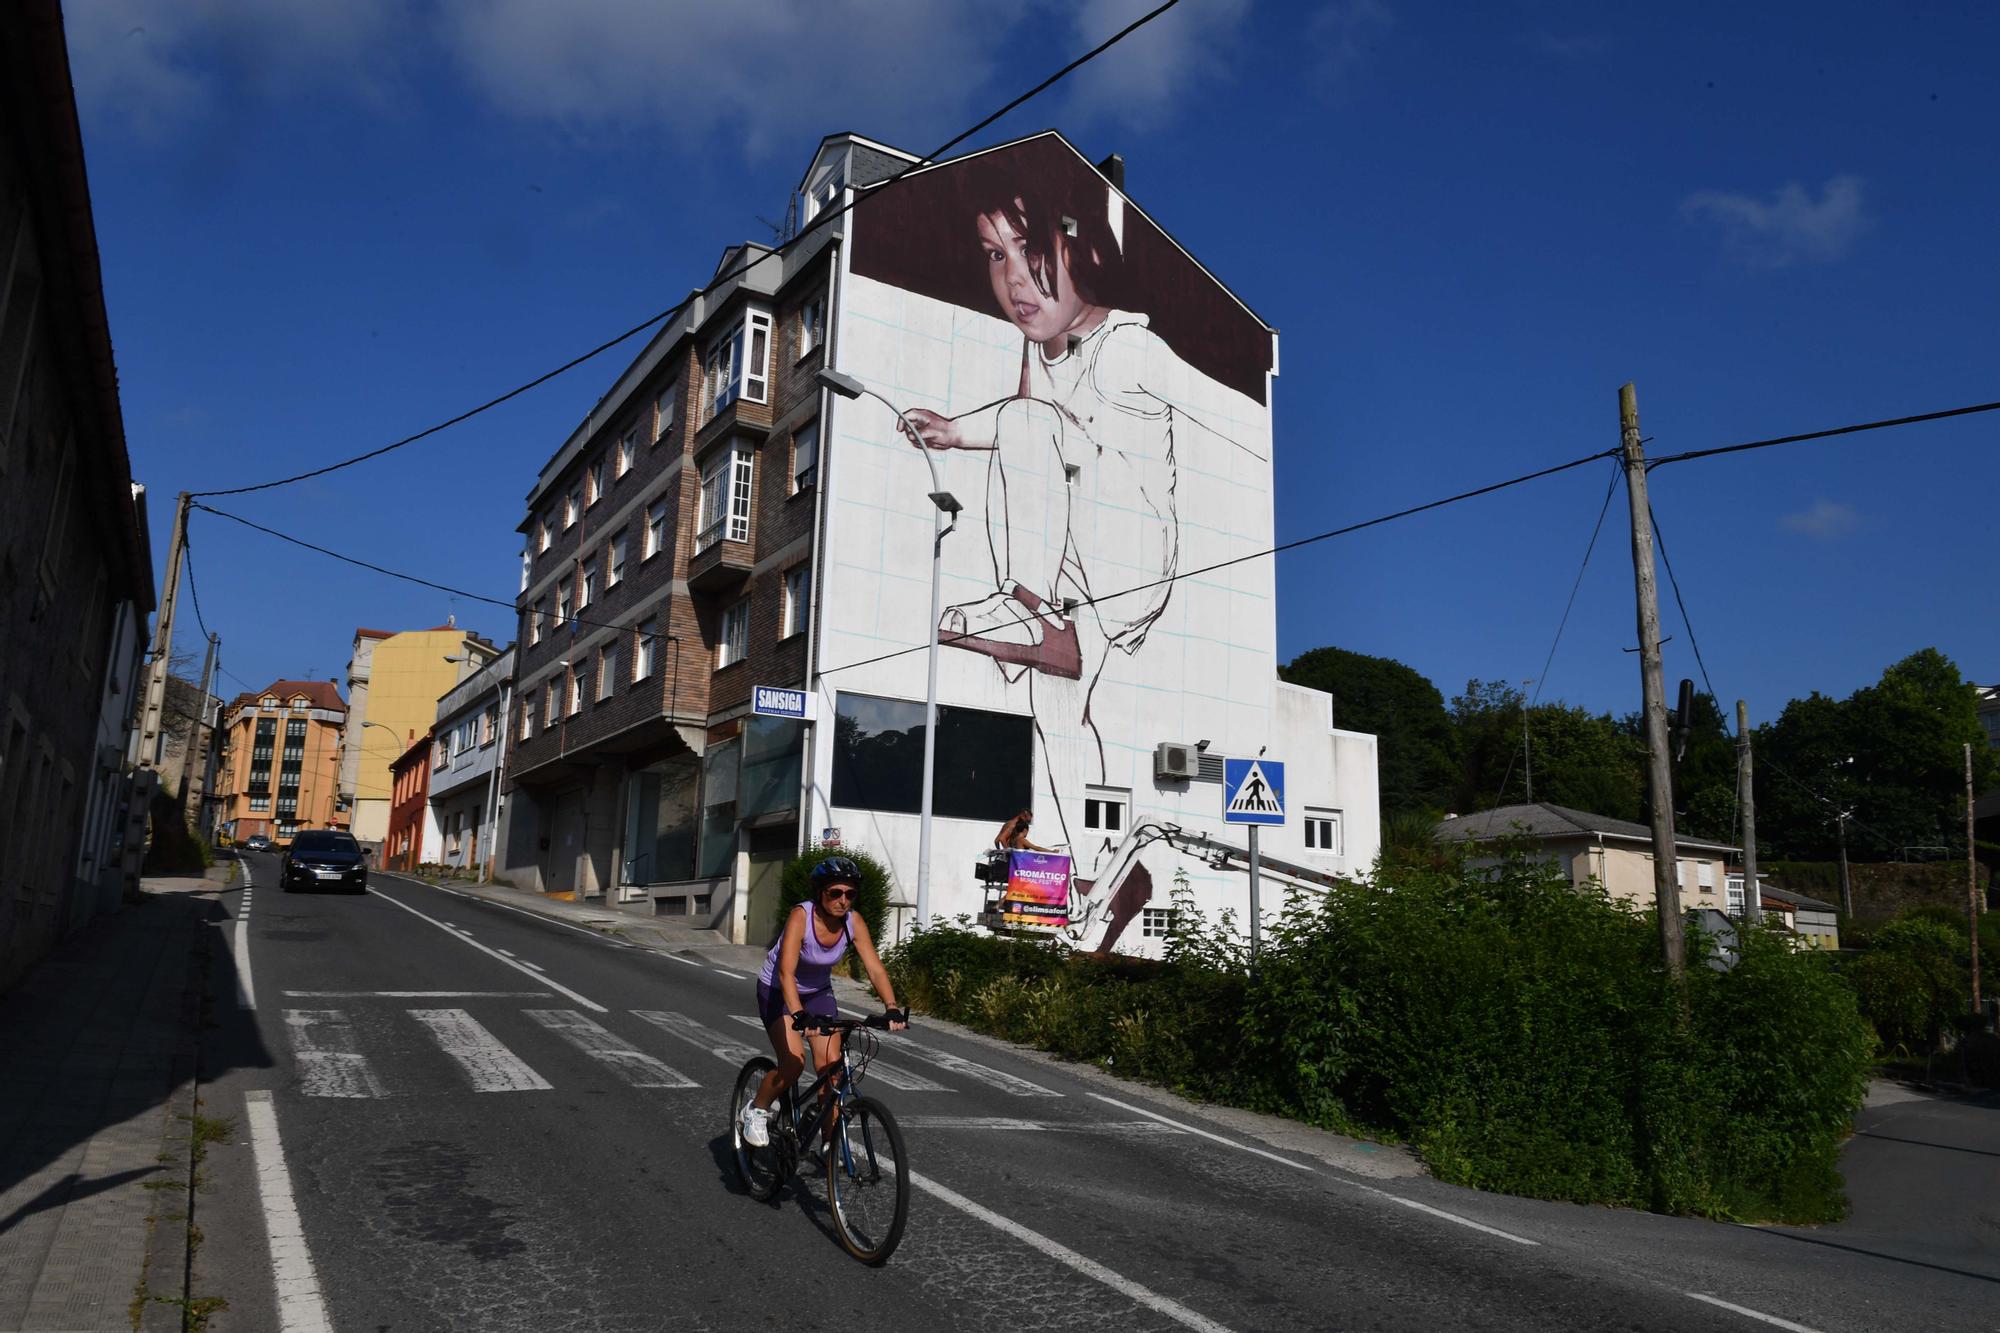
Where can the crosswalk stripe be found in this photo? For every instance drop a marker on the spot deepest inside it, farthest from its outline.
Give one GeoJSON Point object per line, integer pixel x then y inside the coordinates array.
{"type": "Point", "coordinates": [708, 1039]}
{"type": "Point", "coordinates": [490, 1066]}
{"type": "Point", "coordinates": [634, 1066]}
{"type": "Point", "coordinates": [900, 1079]}
{"type": "Point", "coordinates": [958, 1064]}
{"type": "Point", "coordinates": [329, 1066]}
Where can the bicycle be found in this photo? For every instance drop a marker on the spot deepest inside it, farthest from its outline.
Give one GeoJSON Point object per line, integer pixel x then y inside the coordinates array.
{"type": "Point", "coordinates": [867, 1186]}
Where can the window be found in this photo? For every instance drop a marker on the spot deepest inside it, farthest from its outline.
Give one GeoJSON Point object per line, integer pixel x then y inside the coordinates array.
{"type": "Point", "coordinates": [542, 533]}
{"type": "Point", "coordinates": [489, 725]}
{"type": "Point", "coordinates": [1323, 831]}
{"type": "Point", "coordinates": [738, 365]}
{"type": "Point", "coordinates": [628, 449]}
{"type": "Point", "coordinates": [798, 600]}
{"type": "Point", "coordinates": [572, 506]}
{"type": "Point", "coordinates": [288, 807]}
{"type": "Point", "coordinates": [1104, 809]}
{"type": "Point", "coordinates": [822, 194]}
{"type": "Point", "coordinates": [593, 482]}
{"type": "Point", "coordinates": [614, 561]}
{"type": "Point", "coordinates": [812, 324]}
{"type": "Point", "coordinates": [1734, 888]}
{"type": "Point", "coordinates": [1704, 876]}
{"type": "Point", "coordinates": [805, 456]}
{"type": "Point", "coordinates": [666, 408]}
{"type": "Point", "coordinates": [299, 702]}
{"type": "Point", "coordinates": [527, 720]}
{"type": "Point", "coordinates": [733, 643]}
{"type": "Point", "coordinates": [562, 603]}
{"type": "Point", "coordinates": [575, 691]}
{"type": "Point", "coordinates": [527, 568]}
{"type": "Point", "coordinates": [589, 586]}
{"type": "Point", "coordinates": [725, 499]}
{"type": "Point", "coordinates": [878, 758]}
{"type": "Point", "coordinates": [551, 703]}
{"type": "Point", "coordinates": [607, 669]}
{"type": "Point", "coordinates": [647, 645]}
{"type": "Point", "coordinates": [269, 701]}
{"type": "Point", "coordinates": [656, 529]}
{"type": "Point", "coordinates": [295, 729]}
{"type": "Point", "coordinates": [260, 805]}
{"type": "Point", "coordinates": [535, 615]}
{"type": "Point", "coordinates": [1156, 923]}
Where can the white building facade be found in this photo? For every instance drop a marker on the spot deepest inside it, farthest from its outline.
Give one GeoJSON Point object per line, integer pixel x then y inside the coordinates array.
{"type": "Point", "coordinates": [466, 749]}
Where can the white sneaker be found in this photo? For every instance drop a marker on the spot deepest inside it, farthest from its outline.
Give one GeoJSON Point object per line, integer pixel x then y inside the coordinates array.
{"type": "Point", "coordinates": [756, 1126]}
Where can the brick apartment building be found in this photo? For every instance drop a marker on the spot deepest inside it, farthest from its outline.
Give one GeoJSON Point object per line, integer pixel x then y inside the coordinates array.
{"type": "Point", "coordinates": [412, 837]}
{"type": "Point", "coordinates": [721, 522]}
{"type": "Point", "coordinates": [280, 768]}
{"type": "Point", "coordinates": [76, 581]}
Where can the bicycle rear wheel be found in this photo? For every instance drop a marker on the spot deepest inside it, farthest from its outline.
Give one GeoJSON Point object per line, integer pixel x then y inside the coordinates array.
{"type": "Point", "coordinates": [866, 1182]}
{"type": "Point", "coordinates": [761, 1170]}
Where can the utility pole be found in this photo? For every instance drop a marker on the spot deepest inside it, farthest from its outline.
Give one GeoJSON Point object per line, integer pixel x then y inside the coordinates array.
{"type": "Point", "coordinates": [1846, 889]}
{"type": "Point", "coordinates": [1527, 752]}
{"type": "Point", "coordinates": [194, 734]}
{"type": "Point", "coordinates": [1971, 883]}
{"type": "Point", "coordinates": [1652, 679]}
{"type": "Point", "coordinates": [1746, 795]}
{"type": "Point", "coordinates": [163, 641]}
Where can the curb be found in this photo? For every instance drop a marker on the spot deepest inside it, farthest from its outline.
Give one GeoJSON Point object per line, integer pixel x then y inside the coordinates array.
{"type": "Point", "coordinates": [166, 1279]}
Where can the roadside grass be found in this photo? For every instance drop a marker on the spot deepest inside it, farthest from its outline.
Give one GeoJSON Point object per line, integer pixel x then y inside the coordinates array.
{"type": "Point", "coordinates": [1520, 1036]}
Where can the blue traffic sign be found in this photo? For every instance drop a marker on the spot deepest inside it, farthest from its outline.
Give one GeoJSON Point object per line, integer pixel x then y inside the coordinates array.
{"type": "Point", "coordinates": [1253, 791]}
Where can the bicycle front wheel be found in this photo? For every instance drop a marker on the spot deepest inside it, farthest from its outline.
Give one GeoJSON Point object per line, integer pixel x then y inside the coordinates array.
{"type": "Point", "coordinates": [761, 1170]}
{"type": "Point", "coordinates": [866, 1182]}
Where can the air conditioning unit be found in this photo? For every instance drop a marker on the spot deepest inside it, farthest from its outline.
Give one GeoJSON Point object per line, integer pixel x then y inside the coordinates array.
{"type": "Point", "coordinates": [1175, 761]}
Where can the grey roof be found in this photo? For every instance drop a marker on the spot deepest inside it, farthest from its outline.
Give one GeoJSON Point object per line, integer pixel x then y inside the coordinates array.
{"type": "Point", "coordinates": [1795, 898]}
{"type": "Point", "coordinates": [1543, 820]}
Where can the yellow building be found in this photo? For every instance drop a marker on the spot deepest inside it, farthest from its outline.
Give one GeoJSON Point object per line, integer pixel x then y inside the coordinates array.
{"type": "Point", "coordinates": [394, 682]}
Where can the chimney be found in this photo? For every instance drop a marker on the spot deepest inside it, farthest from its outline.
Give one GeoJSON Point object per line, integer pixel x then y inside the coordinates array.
{"type": "Point", "coordinates": [1113, 169]}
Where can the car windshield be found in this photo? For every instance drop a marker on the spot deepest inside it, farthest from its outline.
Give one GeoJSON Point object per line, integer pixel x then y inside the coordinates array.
{"type": "Point", "coordinates": [324, 840]}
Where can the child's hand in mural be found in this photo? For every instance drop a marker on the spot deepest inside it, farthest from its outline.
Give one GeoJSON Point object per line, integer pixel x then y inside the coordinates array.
{"type": "Point", "coordinates": [928, 430]}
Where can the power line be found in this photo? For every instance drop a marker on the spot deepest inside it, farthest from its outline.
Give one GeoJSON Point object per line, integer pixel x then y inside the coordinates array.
{"type": "Point", "coordinates": [187, 554]}
{"type": "Point", "coordinates": [1823, 434]}
{"type": "Point", "coordinates": [1661, 537]}
{"type": "Point", "coordinates": [821, 220]}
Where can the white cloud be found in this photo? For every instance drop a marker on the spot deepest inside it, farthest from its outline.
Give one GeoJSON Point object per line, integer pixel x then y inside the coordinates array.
{"type": "Point", "coordinates": [1824, 520]}
{"type": "Point", "coordinates": [1790, 227]}
{"type": "Point", "coordinates": [1161, 68]}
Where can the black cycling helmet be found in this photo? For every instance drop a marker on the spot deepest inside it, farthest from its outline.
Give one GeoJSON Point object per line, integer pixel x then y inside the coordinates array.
{"type": "Point", "coordinates": [834, 870]}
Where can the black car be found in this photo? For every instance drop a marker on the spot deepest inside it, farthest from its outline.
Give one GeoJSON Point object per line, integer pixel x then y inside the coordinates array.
{"type": "Point", "coordinates": [324, 859]}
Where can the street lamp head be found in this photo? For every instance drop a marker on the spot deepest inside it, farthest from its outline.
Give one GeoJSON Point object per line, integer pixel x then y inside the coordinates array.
{"type": "Point", "coordinates": [844, 385]}
{"type": "Point", "coordinates": [946, 501]}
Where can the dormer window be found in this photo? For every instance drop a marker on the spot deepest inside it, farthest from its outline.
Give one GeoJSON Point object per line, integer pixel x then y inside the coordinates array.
{"type": "Point", "coordinates": [268, 701]}
{"type": "Point", "coordinates": [821, 195]}
{"type": "Point", "coordinates": [299, 702]}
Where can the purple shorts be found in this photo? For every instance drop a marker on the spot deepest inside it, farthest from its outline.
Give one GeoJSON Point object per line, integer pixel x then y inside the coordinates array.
{"type": "Point", "coordinates": [771, 1004]}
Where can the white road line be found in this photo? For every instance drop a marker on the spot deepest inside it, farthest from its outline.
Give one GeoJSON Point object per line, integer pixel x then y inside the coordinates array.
{"type": "Point", "coordinates": [708, 1039]}
{"type": "Point", "coordinates": [1011, 1125]}
{"type": "Point", "coordinates": [489, 1065]}
{"type": "Point", "coordinates": [537, 966]}
{"type": "Point", "coordinates": [507, 953]}
{"type": "Point", "coordinates": [1062, 1254]}
{"type": "Point", "coordinates": [634, 1066]}
{"type": "Point", "coordinates": [418, 994]}
{"type": "Point", "coordinates": [246, 990]}
{"type": "Point", "coordinates": [691, 962]}
{"type": "Point", "coordinates": [1301, 1166]}
{"type": "Point", "coordinates": [300, 1308]}
{"type": "Point", "coordinates": [728, 971]}
{"type": "Point", "coordinates": [900, 1079]}
{"type": "Point", "coordinates": [958, 1064]}
{"type": "Point", "coordinates": [329, 1066]}
{"type": "Point", "coordinates": [583, 1000]}
{"type": "Point", "coordinates": [1748, 1313]}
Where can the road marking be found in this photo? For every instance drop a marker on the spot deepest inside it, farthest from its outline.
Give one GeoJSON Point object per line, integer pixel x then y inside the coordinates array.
{"type": "Point", "coordinates": [1062, 1254]}
{"type": "Point", "coordinates": [583, 1000]}
{"type": "Point", "coordinates": [418, 994]}
{"type": "Point", "coordinates": [728, 971]}
{"type": "Point", "coordinates": [634, 1066]}
{"type": "Point", "coordinates": [958, 1064]}
{"type": "Point", "coordinates": [900, 1079]}
{"type": "Point", "coordinates": [490, 1065]}
{"type": "Point", "coordinates": [1748, 1313]}
{"type": "Point", "coordinates": [1012, 1125]}
{"type": "Point", "coordinates": [691, 962]}
{"type": "Point", "coordinates": [1301, 1166]}
{"type": "Point", "coordinates": [537, 966]}
{"type": "Point", "coordinates": [246, 990]}
{"type": "Point", "coordinates": [708, 1039]}
{"type": "Point", "coordinates": [329, 1066]}
{"type": "Point", "coordinates": [506, 953]}
{"type": "Point", "coordinates": [300, 1308]}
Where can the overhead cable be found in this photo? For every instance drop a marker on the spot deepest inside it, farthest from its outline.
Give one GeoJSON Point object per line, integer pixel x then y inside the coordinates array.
{"type": "Point", "coordinates": [1856, 429]}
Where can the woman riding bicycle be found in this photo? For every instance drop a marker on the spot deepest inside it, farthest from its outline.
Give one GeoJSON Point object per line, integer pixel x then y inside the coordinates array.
{"type": "Point", "coordinates": [796, 984]}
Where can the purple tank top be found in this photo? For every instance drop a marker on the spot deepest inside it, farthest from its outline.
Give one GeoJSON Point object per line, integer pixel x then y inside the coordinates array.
{"type": "Point", "coordinates": [815, 970]}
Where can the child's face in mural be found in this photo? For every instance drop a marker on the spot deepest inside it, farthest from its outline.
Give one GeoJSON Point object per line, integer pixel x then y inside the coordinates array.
{"type": "Point", "coordinates": [1046, 317]}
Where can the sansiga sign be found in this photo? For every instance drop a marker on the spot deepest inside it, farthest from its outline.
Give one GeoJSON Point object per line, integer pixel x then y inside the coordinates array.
{"type": "Point", "coordinates": [771, 701]}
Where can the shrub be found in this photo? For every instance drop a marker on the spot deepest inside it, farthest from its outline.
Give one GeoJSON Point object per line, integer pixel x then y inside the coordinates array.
{"type": "Point", "coordinates": [795, 887]}
{"type": "Point", "coordinates": [174, 849]}
{"type": "Point", "coordinates": [1913, 981]}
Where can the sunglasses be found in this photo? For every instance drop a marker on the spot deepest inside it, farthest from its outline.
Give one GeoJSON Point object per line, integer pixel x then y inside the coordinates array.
{"type": "Point", "coordinates": [840, 893]}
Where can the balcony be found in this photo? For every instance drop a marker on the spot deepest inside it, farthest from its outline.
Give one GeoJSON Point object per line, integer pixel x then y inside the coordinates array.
{"type": "Point", "coordinates": [720, 567]}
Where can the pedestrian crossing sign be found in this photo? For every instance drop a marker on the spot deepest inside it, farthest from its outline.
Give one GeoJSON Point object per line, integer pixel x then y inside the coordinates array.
{"type": "Point", "coordinates": [1253, 791]}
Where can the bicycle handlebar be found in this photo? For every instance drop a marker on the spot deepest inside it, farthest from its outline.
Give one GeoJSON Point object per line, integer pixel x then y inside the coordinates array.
{"type": "Point", "coordinates": [830, 1026]}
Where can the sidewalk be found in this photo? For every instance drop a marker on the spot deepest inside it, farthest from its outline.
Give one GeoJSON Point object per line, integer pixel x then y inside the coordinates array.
{"type": "Point", "coordinates": [97, 1063]}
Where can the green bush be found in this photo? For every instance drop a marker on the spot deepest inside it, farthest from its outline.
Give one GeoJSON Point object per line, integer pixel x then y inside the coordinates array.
{"type": "Point", "coordinates": [795, 887]}
{"type": "Point", "coordinates": [1913, 982]}
{"type": "Point", "coordinates": [1520, 1035]}
{"type": "Point", "coordinates": [174, 848]}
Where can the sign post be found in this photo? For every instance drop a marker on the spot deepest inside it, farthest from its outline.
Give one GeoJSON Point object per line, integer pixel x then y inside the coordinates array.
{"type": "Point", "coordinates": [1253, 793]}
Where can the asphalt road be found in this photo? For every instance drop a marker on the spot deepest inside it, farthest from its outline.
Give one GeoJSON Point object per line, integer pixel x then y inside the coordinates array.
{"type": "Point", "coordinates": [488, 1121]}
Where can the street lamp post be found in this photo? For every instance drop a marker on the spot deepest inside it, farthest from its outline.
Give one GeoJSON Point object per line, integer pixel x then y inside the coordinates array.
{"type": "Point", "coordinates": [383, 853]}
{"type": "Point", "coordinates": [945, 505]}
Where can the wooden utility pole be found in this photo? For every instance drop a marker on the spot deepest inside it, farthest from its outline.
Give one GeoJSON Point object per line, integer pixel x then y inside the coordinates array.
{"type": "Point", "coordinates": [150, 734]}
{"type": "Point", "coordinates": [1971, 883]}
{"type": "Point", "coordinates": [194, 744]}
{"type": "Point", "coordinates": [1846, 888]}
{"type": "Point", "coordinates": [1746, 795]}
{"type": "Point", "coordinates": [1652, 679]}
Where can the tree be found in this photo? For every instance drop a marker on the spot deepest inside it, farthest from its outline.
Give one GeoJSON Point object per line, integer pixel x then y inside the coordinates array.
{"type": "Point", "coordinates": [1581, 759]}
{"type": "Point", "coordinates": [1705, 804]}
{"type": "Point", "coordinates": [1416, 757]}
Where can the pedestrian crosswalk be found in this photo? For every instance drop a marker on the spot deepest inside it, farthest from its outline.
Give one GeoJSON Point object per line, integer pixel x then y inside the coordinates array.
{"type": "Point", "coordinates": [360, 1051]}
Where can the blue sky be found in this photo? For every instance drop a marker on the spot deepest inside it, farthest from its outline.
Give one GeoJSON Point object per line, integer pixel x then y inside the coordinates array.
{"type": "Point", "coordinates": [325, 226]}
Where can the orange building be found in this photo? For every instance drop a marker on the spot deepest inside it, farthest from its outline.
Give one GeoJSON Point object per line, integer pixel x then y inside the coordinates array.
{"type": "Point", "coordinates": [281, 760]}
